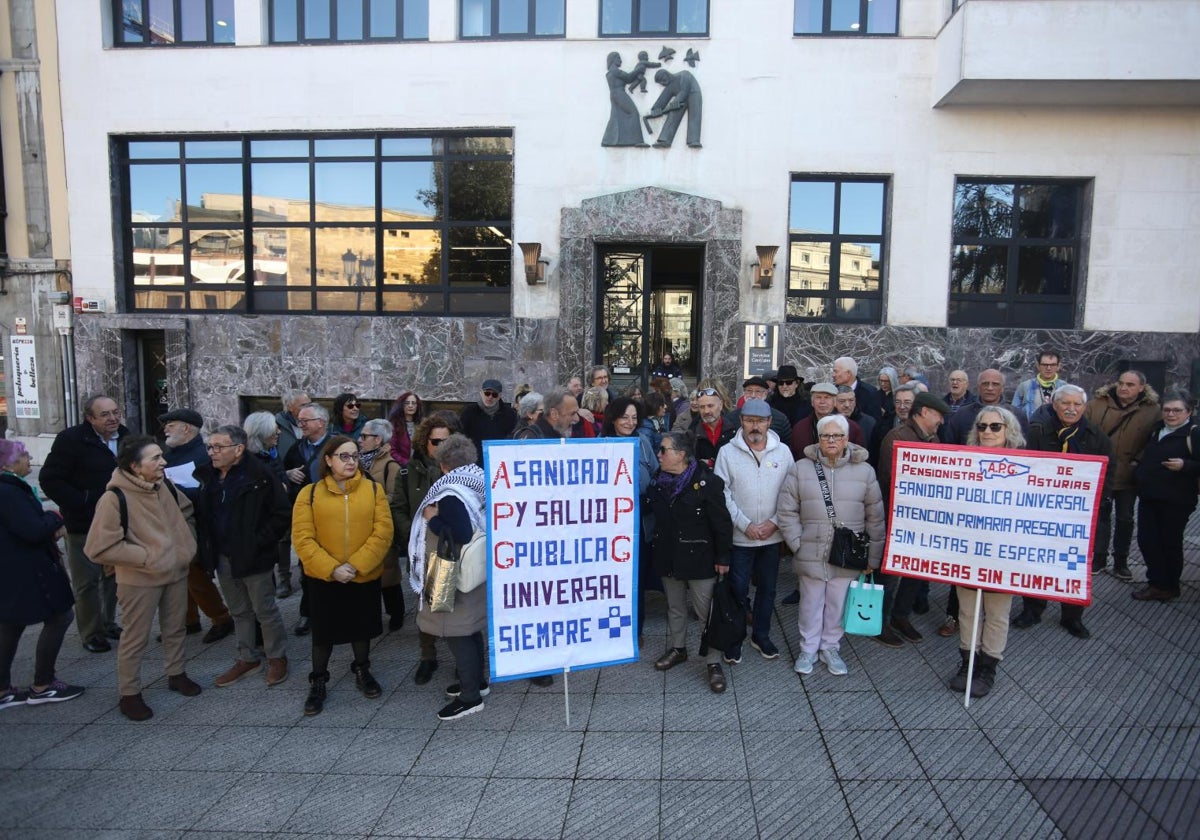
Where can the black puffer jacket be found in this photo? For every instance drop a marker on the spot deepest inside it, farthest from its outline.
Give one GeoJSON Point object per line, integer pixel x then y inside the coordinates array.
{"type": "Point", "coordinates": [33, 582]}
{"type": "Point", "coordinates": [76, 472]}
{"type": "Point", "coordinates": [1156, 482]}
{"type": "Point", "coordinates": [692, 533]}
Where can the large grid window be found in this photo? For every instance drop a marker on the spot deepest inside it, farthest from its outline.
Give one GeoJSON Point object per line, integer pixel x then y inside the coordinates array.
{"type": "Point", "coordinates": [845, 17]}
{"type": "Point", "coordinates": [340, 21]}
{"type": "Point", "coordinates": [170, 23]}
{"type": "Point", "coordinates": [349, 223]}
{"type": "Point", "coordinates": [836, 249]}
{"type": "Point", "coordinates": [511, 19]}
{"type": "Point", "coordinates": [653, 18]}
{"type": "Point", "coordinates": [1017, 252]}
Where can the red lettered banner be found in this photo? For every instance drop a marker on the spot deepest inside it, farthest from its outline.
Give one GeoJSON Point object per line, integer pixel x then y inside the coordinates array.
{"type": "Point", "coordinates": [1000, 519]}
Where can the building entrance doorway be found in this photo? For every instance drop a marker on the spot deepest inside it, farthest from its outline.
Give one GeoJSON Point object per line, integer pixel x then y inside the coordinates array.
{"type": "Point", "coordinates": [648, 304]}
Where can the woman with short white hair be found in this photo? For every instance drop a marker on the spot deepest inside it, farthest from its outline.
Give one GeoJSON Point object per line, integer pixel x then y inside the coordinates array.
{"type": "Point", "coordinates": [806, 526]}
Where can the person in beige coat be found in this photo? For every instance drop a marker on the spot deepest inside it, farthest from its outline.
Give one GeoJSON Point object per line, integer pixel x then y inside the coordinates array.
{"type": "Point", "coordinates": [151, 544]}
{"type": "Point", "coordinates": [858, 505]}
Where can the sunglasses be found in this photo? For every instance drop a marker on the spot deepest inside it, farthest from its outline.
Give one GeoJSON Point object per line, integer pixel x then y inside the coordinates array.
{"type": "Point", "coordinates": [346, 457]}
{"type": "Point", "coordinates": [491, 393]}
{"type": "Point", "coordinates": [787, 381]}
{"type": "Point", "coordinates": [990, 427]}
{"type": "Point", "coordinates": [663, 450]}
{"type": "Point", "coordinates": [707, 392]}
{"type": "Point", "coordinates": [351, 405]}
{"type": "Point", "coordinates": [437, 441]}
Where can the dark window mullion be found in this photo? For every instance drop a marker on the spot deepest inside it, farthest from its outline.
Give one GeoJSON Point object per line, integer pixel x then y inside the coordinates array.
{"type": "Point", "coordinates": [247, 227]}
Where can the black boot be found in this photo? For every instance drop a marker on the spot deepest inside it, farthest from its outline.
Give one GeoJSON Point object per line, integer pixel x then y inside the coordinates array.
{"type": "Point", "coordinates": [985, 674]}
{"type": "Point", "coordinates": [365, 682]}
{"type": "Point", "coordinates": [316, 693]}
{"type": "Point", "coordinates": [959, 681]}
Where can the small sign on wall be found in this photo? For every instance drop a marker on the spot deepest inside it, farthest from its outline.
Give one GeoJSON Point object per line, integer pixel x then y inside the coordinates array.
{"type": "Point", "coordinates": [761, 354]}
{"type": "Point", "coordinates": [25, 377]}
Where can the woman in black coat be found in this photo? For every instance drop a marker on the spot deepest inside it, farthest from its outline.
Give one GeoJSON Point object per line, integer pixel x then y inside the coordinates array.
{"type": "Point", "coordinates": [34, 588]}
{"type": "Point", "coordinates": [1165, 474]}
{"type": "Point", "coordinates": [693, 538]}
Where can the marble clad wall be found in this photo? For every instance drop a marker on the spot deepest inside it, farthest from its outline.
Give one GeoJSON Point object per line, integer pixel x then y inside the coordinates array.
{"type": "Point", "coordinates": [212, 360]}
{"type": "Point", "coordinates": [1089, 359]}
{"type": "Point", "coordinates": [650, 215]}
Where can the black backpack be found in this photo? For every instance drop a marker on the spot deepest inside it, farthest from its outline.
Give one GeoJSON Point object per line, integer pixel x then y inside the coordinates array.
{"type": "Point", "coordinates": [123, 506]}
{"type": "Point", "coordinates": [726, 627]}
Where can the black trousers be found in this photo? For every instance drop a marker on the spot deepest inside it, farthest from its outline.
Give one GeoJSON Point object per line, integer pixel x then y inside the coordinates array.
{"type": "Point", "coordinates": [1160, 537]}
{"type": "Point", "coordinates": [45, 655]}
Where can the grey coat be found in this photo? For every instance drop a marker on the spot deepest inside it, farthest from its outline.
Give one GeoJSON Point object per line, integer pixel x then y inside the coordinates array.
{"type": "Point", "coordinates": [857, 503]}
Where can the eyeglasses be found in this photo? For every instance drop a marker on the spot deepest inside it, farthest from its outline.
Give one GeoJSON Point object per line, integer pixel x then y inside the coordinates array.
{"type": "Point", "coordinates": [663, 450]}
{"type": "Point", "coordinates": [990, 427]}
{"type": "Point", "coordinates": [368, 434]}
{"type": "Point", "coordinates": [351, 405]}
{"type": "Point", "coordinates": [437, 441]}
{"type": "Point", "coordinates": [304, 420]}
{"type": "Point", "coordinates": [831, 437]}
{"type": "Point", "coordinates": [492, 394]}
{"type": "Point", "coordinates": [1173, 410]}
{"type": "Point", "coordinates": [107, 415]}
{"type": "Point", "coordinates": [346, 457]}
{"type": "Point", "coordinates": [217, 447]}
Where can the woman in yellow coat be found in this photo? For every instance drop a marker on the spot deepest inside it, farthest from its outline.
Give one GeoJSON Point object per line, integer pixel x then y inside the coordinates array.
{"type": "Point", "coordinates": [342, 529]}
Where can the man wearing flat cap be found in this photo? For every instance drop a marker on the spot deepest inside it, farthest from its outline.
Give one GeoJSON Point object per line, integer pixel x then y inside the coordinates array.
{"type": "Point", "coordinates": [926, 417]}
{"type": "Point", "coordinates": [184, 451]}
{"type": "Point", "coordinates": [489, 418]}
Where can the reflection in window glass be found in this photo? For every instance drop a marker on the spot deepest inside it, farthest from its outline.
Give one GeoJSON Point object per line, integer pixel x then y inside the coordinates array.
{"type": "Point", "coordinates": [480, 257]}
{"type": "Point", "coordinates": [479, 304]}
{"type": "Point", "coordinates": [279, 191]}
{"type": "Point", "coordinates": [279, 148]}
{"type": "Point", "coordinates": [412, 257]}
{"type": "Point", "coordinates": [843, 15]}
{"type": "Point", "coordinates": [616, 17]}
{"type": "Point", "coordinates": [283, 21]}
{"type": "Point", "coordinates": [480, 190]}
{"type": "Point", "coordinates": [316, 20]}
{"type": "Point", "coordinates": [194, 22]}
{"type": "Point", "coordinates": [881, 17]}
{"type": "Point", "coordinates": [812, 207]}
{"type": "Point", "coordinates": [154, 193]}
{"type": "Point", "coordinates": [162, 21]}
{"type": "Point", "coordinates": [859, 267]}
{"type": "Point", "coordinates": [859, 309]}
{"type": "Point", "coordinates": [153, 150]}
{"type": "Point", "coordinates": [223, 22]}
{"type": "Point", "coordinates": [214, 192]}
{"type": "Point", "coordinates": [861, 208]}
{"type": "Point", "coordinates": [346, 301]}
{"type": "Point", "coordinates": [808, 17]}
{"type": "Point", "coordinates": [345, 257]}
{"type": "Point", "coordinates": [217, 256]}
{"type": "Point", "coordinates": [1047, 211]}
{"type": "Point", "coordinates": [983, 210]}
{"type": "Point", "coordinates": [133, 30]}
{"type": "Point", "coordinates": [416, 19]}
{"type": "Point", "coordinates": [549, 18]}
{"type": "Point", "coordinates": [157, 258]}
{"type": "Point", "coordinates": [409, 302]}
{"type": "Point", "coordinates": [808, 274]}
{"type": "Point", "coordinates": [806, 307]}
{"type": "Point", "coordinates": [1045, 270]}
{"type": "Point", "coordinates": [479, 145]}
{"type": "Point", "coordinates": [345, 192]}
{"type": "Point", "coordinates": [383, 19]}
{"type": "Point", "coordinates": [213, 149]}
{"type": "Point", "coordinates": [979, 270]}
{"type": "Point", "coordinates": [349, 20]}
{"type": "Point", "coordinates": [476, 18]}
{"type": "Point", "coordinates": [410, 146]}
{"type": "Point", "coordinates": [654, 16]}
{"type": "Point", "coordinates": [409, 190]}
{"type": "Point", "coordinates": [218, 300]}
{"type": "Point", "coordinates": [362, 147]}
{"type": "Point", "coordinates": [691, 17]}
{"type": "Point", "coordinates": [514, 17]}
{"type": "Point", "coordinates": [280, 257]}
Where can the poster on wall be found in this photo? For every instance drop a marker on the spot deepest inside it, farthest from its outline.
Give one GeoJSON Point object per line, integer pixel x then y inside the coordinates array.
{"type": "Point", "coordinates": [563, 548]}
{"type": "Point", "coordinates": [25, 378]}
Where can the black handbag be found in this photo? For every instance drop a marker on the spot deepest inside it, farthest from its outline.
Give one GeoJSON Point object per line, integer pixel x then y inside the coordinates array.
{"type": "Point", "coordinates": [726, 625]}
{"type": "Point", "coordinates": [850, 548]}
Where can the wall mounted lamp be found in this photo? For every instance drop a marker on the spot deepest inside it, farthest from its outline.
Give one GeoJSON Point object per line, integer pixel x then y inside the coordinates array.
{"type": "Point", "coordinates": [764, 266]}
{"type": "Point", "coordinates": [535, 266]}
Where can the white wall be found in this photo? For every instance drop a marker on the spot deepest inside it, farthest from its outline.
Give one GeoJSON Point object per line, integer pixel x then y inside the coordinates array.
{"type": "Point", "coordinates": [773, 104]}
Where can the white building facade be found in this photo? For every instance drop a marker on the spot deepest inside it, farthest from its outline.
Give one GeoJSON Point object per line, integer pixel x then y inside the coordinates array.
{"type": "Point", "coordinates": [267, 194]}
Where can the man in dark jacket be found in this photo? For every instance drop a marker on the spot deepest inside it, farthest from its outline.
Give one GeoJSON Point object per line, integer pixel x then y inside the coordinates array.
{"type": "Point", "coordinates": [990, 388]}
{"type": "Point", "coordinates": [301, 467]}
{"type": "Point", "coordinates": [1061, 427]}
{"type": "Point", "coordinates": [75, 474]}
{"type": "Point", "coordinates": [868, 397]}
{"type": "Point", "coordinates": [241, 513]}
{"type": "Point", "coordinates": [185, 452]}
{"type": "Point", "coordinates": [288, 420]}
{"type": "Point", "coordinates": [711, 426]}
{"type": "Point", "coordinates": [490, 418]}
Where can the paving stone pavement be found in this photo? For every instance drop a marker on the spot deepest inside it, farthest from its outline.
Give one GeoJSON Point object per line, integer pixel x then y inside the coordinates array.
{"type": "Point", "coordinates": [1097, 738]}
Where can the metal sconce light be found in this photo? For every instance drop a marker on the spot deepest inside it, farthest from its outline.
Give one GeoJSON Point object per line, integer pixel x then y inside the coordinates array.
{"type": "Point", "coordinates": [535, 266]}
{"type": "Point", "coordinates": [764, 267]}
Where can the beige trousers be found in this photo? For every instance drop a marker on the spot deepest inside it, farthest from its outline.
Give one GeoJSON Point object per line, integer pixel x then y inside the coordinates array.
{"type": "Point", "coordinates": [138, 606]}
{"type": "Point", "coordinates": [996, 606]}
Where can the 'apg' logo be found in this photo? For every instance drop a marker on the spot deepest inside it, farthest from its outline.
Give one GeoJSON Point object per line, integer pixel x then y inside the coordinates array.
{"type": "Point", "coordinates": [1003, 468]}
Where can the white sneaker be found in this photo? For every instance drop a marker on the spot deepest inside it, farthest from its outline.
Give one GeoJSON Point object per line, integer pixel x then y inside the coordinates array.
{"type": "Point", "coordinates": [804, 663]}
{"type": "Point", "coordinates": [834, 663]}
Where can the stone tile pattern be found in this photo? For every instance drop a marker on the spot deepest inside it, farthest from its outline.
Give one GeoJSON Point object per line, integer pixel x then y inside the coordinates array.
{"type": "Point", "coordinates": [1079, 739]}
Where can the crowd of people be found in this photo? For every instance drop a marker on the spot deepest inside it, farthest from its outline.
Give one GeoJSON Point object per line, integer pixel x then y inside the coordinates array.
{"type": "Point", "coordinates": [731, 485]}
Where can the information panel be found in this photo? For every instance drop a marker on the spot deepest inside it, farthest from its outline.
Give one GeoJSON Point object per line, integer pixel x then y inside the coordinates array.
{"type": "Point", "coordinates": [1000, 519]}
{"type": "Point", "coordinates": [563, 519]}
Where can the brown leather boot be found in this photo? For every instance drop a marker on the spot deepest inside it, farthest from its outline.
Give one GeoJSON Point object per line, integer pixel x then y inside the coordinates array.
{"type": "Point", "coordinates": [135, 708]}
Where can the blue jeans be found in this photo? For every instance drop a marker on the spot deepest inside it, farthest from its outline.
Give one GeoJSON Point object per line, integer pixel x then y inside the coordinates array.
{"type": "Point", "coordinates": [762, 563]}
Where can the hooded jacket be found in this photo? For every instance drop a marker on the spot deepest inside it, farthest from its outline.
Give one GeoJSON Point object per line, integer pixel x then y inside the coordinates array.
{"type": "Point", "coordinates": [159, 546]}
{"type": "Point", "coordinates": [36, 586]}
{"type": "Point", "coordinates": [752, 482]}
{"type": "Point", "coordinates": [857, 503]}
{"type": "Point", "coordinates": [1127, 427]}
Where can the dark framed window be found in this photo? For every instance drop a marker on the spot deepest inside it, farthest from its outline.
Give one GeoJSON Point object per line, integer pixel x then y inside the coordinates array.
{"type": "Point", "coordinates": [653, 18]}
{"type": "Point", "coordinates": [172, 23]}
{"type": "Point", "coordinates": [502, 19]}
{"type": "Point", "coordinates": [347, 21]}
{"type": "Point", "coordinates": [846, 17]}
{"type": "Point", "coordinates": [332, 223]}
{"type": "Point", "coordinates": [836, 248]}
{"type": "Point", "coordinates": [1017, 248]}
